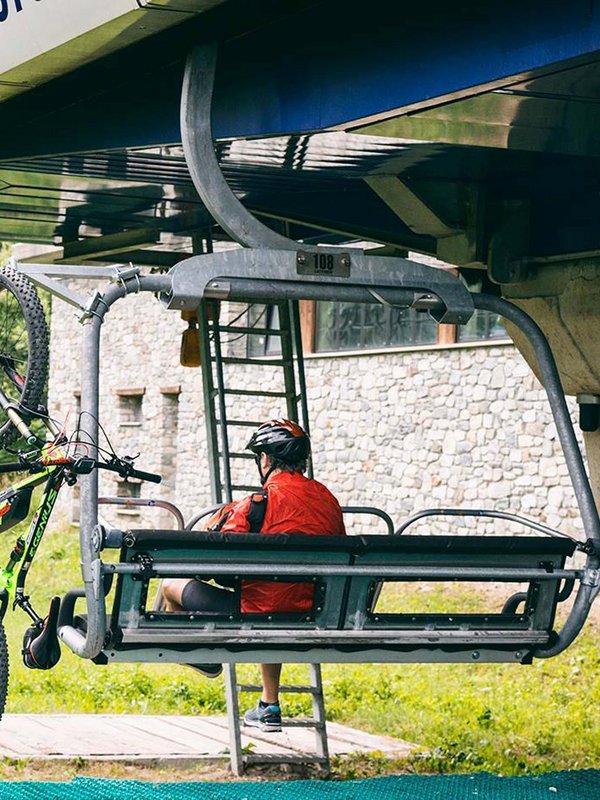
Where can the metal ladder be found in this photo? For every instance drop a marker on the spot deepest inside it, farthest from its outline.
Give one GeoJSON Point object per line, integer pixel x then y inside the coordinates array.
{"type": "Point", "coordinates": [279, 322]}
{"type": "Point", "coordinates": [240, 758]}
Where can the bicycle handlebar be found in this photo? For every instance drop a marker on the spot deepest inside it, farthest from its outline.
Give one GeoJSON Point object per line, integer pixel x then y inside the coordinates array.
{"type": "Point", "coordinates": [13, 466]}
{"type": "Point", "coordinates": [83, 466]}
{"type": "Point", "coordinates": [122, 468]}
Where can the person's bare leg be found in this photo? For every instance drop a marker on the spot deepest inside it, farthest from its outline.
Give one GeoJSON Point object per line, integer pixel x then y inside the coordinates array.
{"type": "Point", "coordinates": [172, 590]}
{"type": "Point", "coordinates": [270, 674]}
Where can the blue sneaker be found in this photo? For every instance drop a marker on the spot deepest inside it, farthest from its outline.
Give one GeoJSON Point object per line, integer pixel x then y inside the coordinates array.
{"type": "Point", "coordinates": [267, 719]}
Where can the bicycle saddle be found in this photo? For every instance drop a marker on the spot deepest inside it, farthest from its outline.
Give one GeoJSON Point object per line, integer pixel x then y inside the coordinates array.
{"type": "Point", "coordinates": [41, 647]}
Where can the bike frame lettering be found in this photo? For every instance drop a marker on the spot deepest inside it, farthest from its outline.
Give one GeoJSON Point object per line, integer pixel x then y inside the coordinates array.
{"type": "Point", "coordinates": [35, 532]}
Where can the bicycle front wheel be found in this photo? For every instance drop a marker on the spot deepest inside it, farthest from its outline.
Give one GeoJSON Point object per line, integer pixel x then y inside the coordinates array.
{"type": "Point", "coordinates": [23, 349]}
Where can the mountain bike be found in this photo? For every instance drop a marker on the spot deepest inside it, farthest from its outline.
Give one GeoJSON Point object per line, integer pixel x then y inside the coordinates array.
{"type": "Point", "coordinates": [49, 457]}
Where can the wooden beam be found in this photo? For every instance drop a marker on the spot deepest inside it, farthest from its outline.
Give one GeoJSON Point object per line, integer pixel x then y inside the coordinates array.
{"type": "Point", "coordinates": [308, 316]}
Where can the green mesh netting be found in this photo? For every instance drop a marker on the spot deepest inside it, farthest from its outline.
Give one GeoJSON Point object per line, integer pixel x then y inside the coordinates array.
{"type": "Point", "coordinates": [559, 785]}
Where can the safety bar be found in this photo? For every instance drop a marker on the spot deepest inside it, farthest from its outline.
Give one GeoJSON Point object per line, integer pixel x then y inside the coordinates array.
{"type": "Point", "coordinates": [130, 502]}
{"type": "Point", "coordinates": [200, 515]}
{"type": "Point", "coordinates": [479, 512]}
{"type": "Point", "coordinates": [376, 512]}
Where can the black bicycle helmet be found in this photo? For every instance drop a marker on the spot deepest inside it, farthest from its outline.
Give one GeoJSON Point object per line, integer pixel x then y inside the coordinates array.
{"type": "Point", "coordinates": [281, 438]}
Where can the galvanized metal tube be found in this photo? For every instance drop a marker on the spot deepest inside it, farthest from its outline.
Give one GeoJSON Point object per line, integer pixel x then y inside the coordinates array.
{"type": "Point", "coordinates": [296, 331]}
{"type": "Point", "coordinates": [375, 512]}
{"type": "Point", "coordinates": [558, 405]}
{"type": "Point", "coordinates": [91, 644]}
{"type": "Point", "coordinates": [573, 456]}
{"type": "Point", "coordinates": [258, 290]}
{"type": "Point", "coordinates": [212, 439]}
{"type": "Point", "coordinates": [224, 459]}
{"type": "Point", "coordinates": [199, 151]}
{"type": "Point", "coordinates": [200, 515]}
{"type": "Point", "coordinates": [133, 502]}
{"type": "Point", "coordinates": [284, 311]}
{"type": "Point", "coordinates": [575, 621]}
{"type": "Point", "coordinates": [245, 568]}
{"type": "Point", "coordinates": [481, 512]}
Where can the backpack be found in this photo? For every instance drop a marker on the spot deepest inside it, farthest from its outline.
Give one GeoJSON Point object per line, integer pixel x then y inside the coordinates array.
{"type": "Point", "coordinates": [255, 516]}
{"type": "Point", "coordinates": [256, 513]}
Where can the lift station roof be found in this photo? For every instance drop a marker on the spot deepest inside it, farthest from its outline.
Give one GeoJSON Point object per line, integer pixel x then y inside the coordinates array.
{"type": "Point", "coordinates": [452, 128]}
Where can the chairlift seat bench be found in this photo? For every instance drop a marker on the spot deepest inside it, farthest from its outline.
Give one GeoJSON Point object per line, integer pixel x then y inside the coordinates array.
{"type": "Point", "coordinates": [344, 622]}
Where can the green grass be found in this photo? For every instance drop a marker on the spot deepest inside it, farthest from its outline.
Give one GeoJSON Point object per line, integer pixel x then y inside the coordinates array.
{"type": "Point", "coordinates": [507, 719]}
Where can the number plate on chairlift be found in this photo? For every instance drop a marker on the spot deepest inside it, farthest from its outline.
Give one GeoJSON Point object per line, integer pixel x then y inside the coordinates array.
{"type": "Point", "coordinates": [336, 265]}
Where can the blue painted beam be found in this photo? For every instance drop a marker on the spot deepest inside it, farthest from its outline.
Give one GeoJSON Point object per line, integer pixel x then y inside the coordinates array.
{"type": "Point", "coordinates": [333, 64]}
{"type": "Point", "coordinates": [322, 66]}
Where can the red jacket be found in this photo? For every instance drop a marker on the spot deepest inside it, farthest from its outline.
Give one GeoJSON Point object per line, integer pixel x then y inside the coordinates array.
{"type": "Point", "coordinates": [295, 505]}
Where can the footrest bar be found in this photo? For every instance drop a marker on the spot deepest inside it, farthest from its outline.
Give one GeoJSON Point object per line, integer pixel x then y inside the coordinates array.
{"type": "Point", "coordinates": [255, 687]}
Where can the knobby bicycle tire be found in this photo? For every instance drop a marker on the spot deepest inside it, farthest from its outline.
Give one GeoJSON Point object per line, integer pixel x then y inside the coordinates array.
{"type": "Point", "coordinates": [23, 341]}
{"type": "Point", "coordinates": [4, 669]}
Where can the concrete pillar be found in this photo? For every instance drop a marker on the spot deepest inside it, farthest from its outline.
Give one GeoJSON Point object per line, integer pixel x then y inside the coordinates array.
{"type": "Point", "coordinates": [564, 299]}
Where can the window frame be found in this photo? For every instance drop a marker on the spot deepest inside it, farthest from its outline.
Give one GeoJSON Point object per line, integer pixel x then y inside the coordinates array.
{"type": "Point", "coordinates": [446, 336]}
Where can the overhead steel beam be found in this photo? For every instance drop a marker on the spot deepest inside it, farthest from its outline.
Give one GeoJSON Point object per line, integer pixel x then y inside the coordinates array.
{"type": "Point", "coordinates": [410, 208]}
{"type": "Point", "coordinates": [94, 247]}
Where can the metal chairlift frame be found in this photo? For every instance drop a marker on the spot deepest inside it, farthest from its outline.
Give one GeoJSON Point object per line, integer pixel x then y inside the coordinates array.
{"type": "Point", "coordinates": [230, 275]}
{"type": "Point", "coordinates": [271, 268]}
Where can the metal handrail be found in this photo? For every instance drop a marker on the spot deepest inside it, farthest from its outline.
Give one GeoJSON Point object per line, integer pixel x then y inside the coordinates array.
{"type": "Point", "coordinates": [376, 512]}
{"type": "Point", "coordinates": [477, 512]}
{"type": "Point", "coordinates": [283, 569]}
{"type": "Point", "coordinates": [130, 502]}
{"type": "Point", "coordinates": [200, 515]}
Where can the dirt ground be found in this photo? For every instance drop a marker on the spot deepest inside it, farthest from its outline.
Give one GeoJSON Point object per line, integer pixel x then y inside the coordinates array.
{"type": "Point", "coordinates": [61, 770]}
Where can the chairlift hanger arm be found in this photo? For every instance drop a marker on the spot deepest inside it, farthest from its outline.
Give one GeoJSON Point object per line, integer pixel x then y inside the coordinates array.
{"type": "Point", "coordinates": [199, 150]}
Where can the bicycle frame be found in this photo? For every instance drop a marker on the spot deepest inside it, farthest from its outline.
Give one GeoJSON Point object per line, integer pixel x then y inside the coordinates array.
{"type": "Point", "coordinates": [14, 574]}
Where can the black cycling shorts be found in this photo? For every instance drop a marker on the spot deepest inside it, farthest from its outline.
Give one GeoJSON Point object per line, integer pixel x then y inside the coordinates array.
{"type": "Point", "coordinates": [201, 596]}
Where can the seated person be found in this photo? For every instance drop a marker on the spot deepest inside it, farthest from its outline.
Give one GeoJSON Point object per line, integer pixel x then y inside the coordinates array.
{"type": "Point", "coordinates": [294, 504]}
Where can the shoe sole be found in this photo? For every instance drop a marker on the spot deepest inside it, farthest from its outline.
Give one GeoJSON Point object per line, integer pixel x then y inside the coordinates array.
{"type": "Point", "coordinates": [265, 727]}
{"type": "Point", "coordinates": [270, 727]}
{"type": "Point", "coordinates": [209, 675]}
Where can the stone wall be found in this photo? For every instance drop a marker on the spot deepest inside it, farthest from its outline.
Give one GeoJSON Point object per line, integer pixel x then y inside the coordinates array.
{"type": "Point", "coordinates": [403, 431]}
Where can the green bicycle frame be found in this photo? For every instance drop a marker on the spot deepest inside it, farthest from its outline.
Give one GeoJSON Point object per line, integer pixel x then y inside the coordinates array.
{"type": "Point", "coordinates": [14, 574]}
